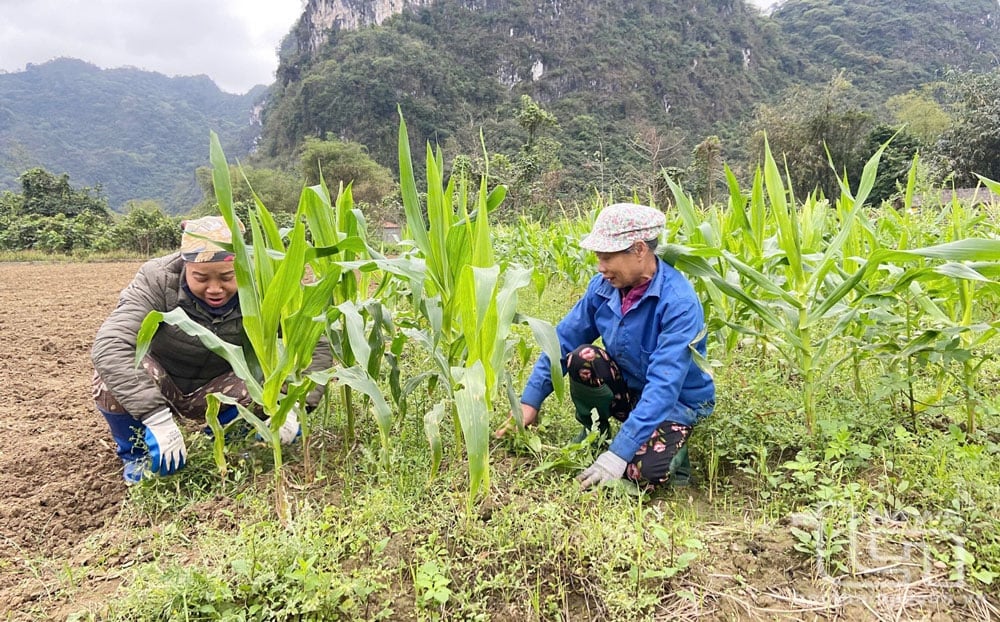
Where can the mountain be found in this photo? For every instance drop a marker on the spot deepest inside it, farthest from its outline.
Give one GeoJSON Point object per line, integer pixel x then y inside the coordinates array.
{"type": "Point", "coordinates": [891, 46]}
{"type": "Point", "coordinates": [134, 133]}
{"type": "Point", "coordinates": [629, 86]}
{"type": "Point", "coordinates": [617, 75]}
{"type": "Point", "coordinates": [631, 83]}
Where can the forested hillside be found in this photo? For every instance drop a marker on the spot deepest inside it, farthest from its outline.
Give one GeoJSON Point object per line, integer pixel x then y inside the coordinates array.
{"type": "Point", "coordinates": [136, 134]}
{"type": "Point", "coordinates": [572, 97]}
{"type": "Point", "coordinates": [578, 97]}
{"type": "Point", "coordinates": [625, 82]}
{"type": "Point", "coordinates": [891, 46]}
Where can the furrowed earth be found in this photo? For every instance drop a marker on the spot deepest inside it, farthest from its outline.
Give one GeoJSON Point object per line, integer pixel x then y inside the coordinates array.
{"type": "Point", "coordinates": [60, 480]}
{"type": "Point", "coordinates": [66, 547]}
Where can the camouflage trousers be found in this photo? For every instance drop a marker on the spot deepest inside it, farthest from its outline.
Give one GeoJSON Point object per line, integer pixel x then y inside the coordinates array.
{"type": "Point", "coordinates": [189, 405]}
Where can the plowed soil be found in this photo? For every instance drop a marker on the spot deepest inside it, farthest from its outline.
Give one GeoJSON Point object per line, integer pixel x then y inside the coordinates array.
{"type": "Point", "coordinates": [60, 481]}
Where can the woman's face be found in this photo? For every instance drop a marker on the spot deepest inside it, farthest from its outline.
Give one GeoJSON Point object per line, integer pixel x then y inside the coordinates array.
{"type": "Point", "coordinates": [212, 281]}
{"type": "Point", "coordinates": [626, 268]}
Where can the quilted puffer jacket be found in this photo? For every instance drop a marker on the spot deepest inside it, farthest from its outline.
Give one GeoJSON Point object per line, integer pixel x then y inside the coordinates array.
{"type": "Point", "coordinates": [157, 286]}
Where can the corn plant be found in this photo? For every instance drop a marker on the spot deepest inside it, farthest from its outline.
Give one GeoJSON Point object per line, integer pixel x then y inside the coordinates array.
{"type": "Point", "coordinates": [733, 230]}
{"type": "Point", "coordinates": [340, 235]}
{"type": "Point", "coordinates": [944, 296]}
{"type": "Point", "coordinates": [805, 280]}
{"type": "Point", "coordinates": [360, 346]}
{"type": "Point", "coordinates": [466, 302]}
{"type": "Point", "coordinates": [801, 287]}
{"type": "Point", "coordinates": [279, 312]}
{"type": "Point", "coordinates": [938, 323]}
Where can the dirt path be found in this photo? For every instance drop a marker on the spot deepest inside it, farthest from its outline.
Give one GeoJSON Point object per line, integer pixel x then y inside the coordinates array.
{"type": "Point", "coordinates": [59, 477]}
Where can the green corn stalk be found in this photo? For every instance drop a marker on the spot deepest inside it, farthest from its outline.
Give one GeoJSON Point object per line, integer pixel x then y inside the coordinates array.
{"type": "Point", "coordinates": [279, 317]}
{"type": "Point", "coordinates": [710, 229]}
{"type": "Point", "coordinates": [471, 403]}
{"type": "Point", "coordinates": [465, 301]}
{"type": "Point", "coordinates": [945, 294]}
{"type": "Point", "coordinates": [432, 429]}
{"type": "Point", "coordinates": [341, 237]}
{"type": "Point", "coordinates": [358, 379]}
{"type": "Point", "coordinates": [802, 284]}
{"type": "Point", "coordinates": [363, 336]}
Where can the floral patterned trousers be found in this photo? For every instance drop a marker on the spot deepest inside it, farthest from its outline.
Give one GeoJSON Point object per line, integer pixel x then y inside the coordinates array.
{"type": "Point", "coordinates": [189, 405]}
{"type": "Point", "coordinates": [596, 384]}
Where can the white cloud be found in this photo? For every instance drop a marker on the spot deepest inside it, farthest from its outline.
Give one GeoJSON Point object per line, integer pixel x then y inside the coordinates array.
{"type": "Point", "coordinates": [232, 41]}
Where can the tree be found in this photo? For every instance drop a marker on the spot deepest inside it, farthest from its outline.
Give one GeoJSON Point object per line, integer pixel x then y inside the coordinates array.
{"type": "Point", "coordinates": [86, 231]}
{"type": "Point", "coordinates": [45, 194]}
{"type": "Point", "coordinates": [348, 163]}
{"type": "Point", "coordinates": [146, 229]}
{"type": "Point", "coordinates": [533, 118]}
{"type": "Point", "coordinates": [925, 119]}
{"type": "Point", "coordinates": [536, 164]}
{"type": "Point", "coordinates": [10, 204]}
{"type": "Point", "coordinates": [706, 169]}
{"type": "Point", "coordinates": [810, 128]}
{"type": "Point", "coordinates": [894, 165]}
{"type": "Point", "coordinates": [972, 145]}
{"type": "Point", "coordinates": [652, 150]}
{"type": "Point", "coordinates": [278, 189]}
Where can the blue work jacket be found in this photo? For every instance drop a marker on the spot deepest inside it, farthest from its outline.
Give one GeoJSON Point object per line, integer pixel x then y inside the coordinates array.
{"type": "Point", "coordinates": [652, 345]}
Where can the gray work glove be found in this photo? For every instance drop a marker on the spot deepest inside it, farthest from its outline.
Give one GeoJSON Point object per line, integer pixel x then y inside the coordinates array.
{"type": "Point", "coordinates": [607, 468]}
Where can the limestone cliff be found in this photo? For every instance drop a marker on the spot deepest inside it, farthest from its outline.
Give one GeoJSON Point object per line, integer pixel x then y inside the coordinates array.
{"type": "Point", "coordinates": [320, 17]}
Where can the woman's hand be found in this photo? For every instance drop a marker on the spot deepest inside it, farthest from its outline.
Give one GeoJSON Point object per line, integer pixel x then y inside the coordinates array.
{"type": "Point", "coordinates": [529, 414]}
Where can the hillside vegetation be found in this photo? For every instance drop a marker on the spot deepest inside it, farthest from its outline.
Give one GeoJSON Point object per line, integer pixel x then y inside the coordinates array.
{"type": "Point", "coordinates": [135, 134]}
{"type": "Point", "coordinates": [573, 98]}
{"type": "Point", "coordinates": [620, 78]}
{"type": "Point", "coordinates": [618, 90]}
{"type": "Point", "coordinates": [891, 46]}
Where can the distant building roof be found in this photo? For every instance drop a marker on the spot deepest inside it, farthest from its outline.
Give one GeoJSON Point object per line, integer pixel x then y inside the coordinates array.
{"type": "Point", "coordinates": [966, 196]}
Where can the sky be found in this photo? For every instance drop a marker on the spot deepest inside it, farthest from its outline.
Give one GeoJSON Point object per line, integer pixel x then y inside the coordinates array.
{"type": "Point", "coordinates": [234, 42]}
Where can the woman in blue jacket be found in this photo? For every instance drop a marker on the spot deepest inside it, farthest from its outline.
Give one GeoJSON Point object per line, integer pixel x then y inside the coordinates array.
{"type": "Point", "coordinates": [650, 322]}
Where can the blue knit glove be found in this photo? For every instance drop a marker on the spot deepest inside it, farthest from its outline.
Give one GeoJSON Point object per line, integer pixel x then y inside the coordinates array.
{"type": "Point", "coordinates": [165, 443]}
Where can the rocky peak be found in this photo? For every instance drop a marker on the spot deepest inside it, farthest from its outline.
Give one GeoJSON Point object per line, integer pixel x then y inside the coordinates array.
{"type": "Point", "coordinates": [323, 16]}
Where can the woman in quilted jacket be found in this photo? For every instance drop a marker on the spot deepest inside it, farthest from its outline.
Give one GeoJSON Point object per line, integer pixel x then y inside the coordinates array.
{"type": "Point", "coordinates": [140, 403]}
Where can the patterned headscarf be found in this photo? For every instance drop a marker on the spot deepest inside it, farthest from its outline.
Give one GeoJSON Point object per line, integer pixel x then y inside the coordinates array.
{"type": "Point", "coordinates": [210, 229]}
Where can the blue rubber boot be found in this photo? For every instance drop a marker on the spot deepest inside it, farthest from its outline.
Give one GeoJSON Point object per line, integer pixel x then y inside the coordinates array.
{"type": "Point", "coordinates": [126, 430]}
{"type": "Point", "coordinates": [226, 416]}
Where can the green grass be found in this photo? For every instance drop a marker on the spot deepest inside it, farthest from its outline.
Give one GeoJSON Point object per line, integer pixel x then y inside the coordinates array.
{"type": "Point", "coordinates": [87, 257]}
{"type": "Point", "coordinates": [769, 503]}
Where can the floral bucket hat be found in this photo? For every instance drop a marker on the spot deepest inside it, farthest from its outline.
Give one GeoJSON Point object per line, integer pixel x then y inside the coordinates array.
{"type": "Point", "coordinates": [198, 242]}
{"type": "Point", "coordinates": [621, 225]}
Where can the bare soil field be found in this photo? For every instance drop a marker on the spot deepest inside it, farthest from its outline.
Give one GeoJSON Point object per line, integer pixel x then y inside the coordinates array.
{"type": "Point", "coordinates": [60, 481]}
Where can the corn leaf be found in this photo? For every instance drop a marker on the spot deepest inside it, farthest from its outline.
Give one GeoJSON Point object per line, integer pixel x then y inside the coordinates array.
{"type": "Point", "coordinates": [545, 335]}
{"type": "Point", "coordinates": [470, 401]}
{"type": "Point", "coordinates": [359, 380]}
{"type": "Point", "coordinates": [432, 429]}
{"type": "Point", "coordinates": [178, 317]}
